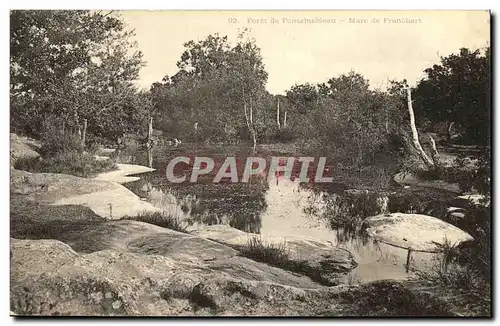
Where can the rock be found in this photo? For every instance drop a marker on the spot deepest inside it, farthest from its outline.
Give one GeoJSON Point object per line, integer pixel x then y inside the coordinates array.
{"type": "Point", "coordinates": [457, 215]}
{"type": "Point", "coordinates": [22, 148]}
{"type": "Point", "coordinates": [111, 204]}
{"type": "Point", "coordinates": [476, 199]}
{"type": "Point", "coordinates": [106, 150]}
{"type": "Point", "coordinates": [314, 258]}
{"type": "Point", "coordinates": [107, 199]}
{"type": "Point", "coordinates": [115, 282]}
{"type": "Point", "coordinates": [413, 180]}
{"type": "Point", "coordinates": [121, 174]}
{"type": "Point", "coordinates": [414, 231]}
{"type": "Point", "coordinates": [101, 158]}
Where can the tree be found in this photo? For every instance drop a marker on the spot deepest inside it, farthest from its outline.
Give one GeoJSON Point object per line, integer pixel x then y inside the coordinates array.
{"type": "Point", "coordinates": [344, 117]}
{"type": "Point", "coordinates": [303, 97]}
{"type": "Point", "coordinates": [457, 92]}
{"type": "Point", "coordinates": [214, 85]}
{"type": "Point", "coordinates": [75, 65]}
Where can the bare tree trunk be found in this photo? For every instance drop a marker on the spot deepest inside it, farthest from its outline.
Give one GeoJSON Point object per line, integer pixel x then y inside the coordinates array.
{"type": "Point", "coordinates": [253, 126]}
{"type": "Point", "coordinates": [77, 124]}
{"type": "Point", "coordinates": [150, 133]}
{"type": "Point", "coordinates": [150, 157]}
{"type": "Point", "coordinates": [254, 141]}
{"type": "Point", "coordinates": [414, 133]}
{"type": "Point", "coordinates": [386, 122]}
{"type": "Point", "coordinates": [434, 153]}
{"type": "Point", "coordinates": [284, 121]}
{"type": "Point", "coordinates": [249, 120]}
{"type": "Point", "coordinates": [278, 114]}
{"type": "Point", "coordinates": [449, 134]}
{"type": "Point", "coordinates": [84, 133]}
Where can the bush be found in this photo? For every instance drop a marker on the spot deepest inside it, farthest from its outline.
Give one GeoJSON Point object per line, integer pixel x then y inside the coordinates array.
{"type": "Point", "coordinates": [75, 163]}
{"type": "Point", "coordinates": [463, 270]}
{"type": "Point", "coordinates": [159, 219]}
{"type": "Point", "coordinates": [55, 140]}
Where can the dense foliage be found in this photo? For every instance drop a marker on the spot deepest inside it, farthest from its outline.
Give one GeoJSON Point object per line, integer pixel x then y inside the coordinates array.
{"type": "Point", "coordinates": [74, 65]}
{"type": "Point", "coordinates": [456, 92]}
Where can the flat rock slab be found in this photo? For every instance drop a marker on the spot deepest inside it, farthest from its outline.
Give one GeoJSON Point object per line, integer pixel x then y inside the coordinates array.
{"type": "Point", "coordinates": [412, 180]}
{"type": "Point", "coordinates": [414, 231]}
{"type": "Point", "coordinates": [476, 199]}
{"type": "Point", "coordinates": [49, 278]}
{"type": "Point", "coordinates": [108, 199]}
{"type": "Point", "coordinates": [121, 175]}
{"type": "Point", "coordinates": [49, 187]}
{"type": "Point", "coordinates": [111, 204]}
{"type": "Point", "coordinates": [318, 259]}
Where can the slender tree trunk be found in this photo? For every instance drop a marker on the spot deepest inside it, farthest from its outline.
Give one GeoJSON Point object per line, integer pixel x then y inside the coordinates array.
{"type": "Point", "coordinates": [150, 133]}
{"type": "Point", "coordinates": [249, 120]}
{"type": "Point", "coordinates": [150, 157]}
{"type": "Point", "coordinates": [414, 133]}
{"type": "Point", "coordinates": [449, 134]}
{"type": "Point", "coordinates": [84, 133]}
{"type": "Point", "coordinates": [253, 126]}
{"type": "Point", "coordinates": [434, 151]}
{"type": "Point", "coordinates": [278, 114]}
{"type": "Point", "coordinates": [386, 122]}
{"type": "Point", "coordinates": [284, 121]}
{"type": "Point", "coordinates": [77, 124]}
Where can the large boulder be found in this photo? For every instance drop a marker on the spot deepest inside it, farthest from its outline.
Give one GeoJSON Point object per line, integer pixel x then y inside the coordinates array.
{"type": "Point", "coordinates": [414, 231]}
{"type": "Point", "coordinates": [22, 148]}
{"type": "Point", "coordinates": [315, 258]}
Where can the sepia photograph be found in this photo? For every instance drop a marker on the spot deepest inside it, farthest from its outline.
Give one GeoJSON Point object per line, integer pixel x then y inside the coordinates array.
{"type": "Point", "coordinates": [279, 163]}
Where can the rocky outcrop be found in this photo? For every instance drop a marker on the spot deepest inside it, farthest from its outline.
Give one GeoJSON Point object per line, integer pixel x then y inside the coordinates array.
{"type": "Point", "coordinates": [107, 199]}
{"type": "Point", "coordinates": [22, 148]}
{"type": "Point", "coordinates": [48, 277]}
{"type": "Point", "coordinates": [315, 258]}
{"type": "Point", "coordinates": [137, 277]}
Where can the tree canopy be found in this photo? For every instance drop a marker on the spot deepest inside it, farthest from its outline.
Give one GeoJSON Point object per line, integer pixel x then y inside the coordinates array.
{"type": "Point", "coordinates": [458, 91]}
{"type": "Point", "coordinates": [72, 65]}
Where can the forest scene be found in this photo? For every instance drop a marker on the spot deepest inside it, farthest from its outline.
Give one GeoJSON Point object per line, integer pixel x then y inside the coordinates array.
{"type": "Point", "coordinates": [97, 229]}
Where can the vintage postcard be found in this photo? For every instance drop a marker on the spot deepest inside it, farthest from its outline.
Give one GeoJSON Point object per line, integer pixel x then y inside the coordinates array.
{"type": "Point", "coordinates": [250, 163]}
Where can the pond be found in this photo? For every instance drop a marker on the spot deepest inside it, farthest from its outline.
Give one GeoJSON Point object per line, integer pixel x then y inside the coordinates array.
{"type": "Point", "coordinates": [280, 207]}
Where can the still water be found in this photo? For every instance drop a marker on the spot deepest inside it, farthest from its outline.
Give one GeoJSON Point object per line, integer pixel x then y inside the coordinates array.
{"type": "Point", "coordinates": [280, 207]}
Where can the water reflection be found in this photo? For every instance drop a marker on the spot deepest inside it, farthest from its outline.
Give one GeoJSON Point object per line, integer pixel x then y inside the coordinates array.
{"type": "Point", "coordinates": [284, 208]}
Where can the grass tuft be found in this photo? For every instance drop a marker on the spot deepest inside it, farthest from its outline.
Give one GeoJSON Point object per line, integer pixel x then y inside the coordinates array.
{"type": "Point", "coordinates": [160, 219]}
{"type": "Point", "coordinates": [272, 254]}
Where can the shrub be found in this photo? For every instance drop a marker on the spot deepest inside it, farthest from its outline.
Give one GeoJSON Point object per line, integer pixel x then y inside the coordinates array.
{"type": "Point", "coordinates": [160, 219]}
{"type": "Point", "coordinates": [56, 141]}
{"type": "Point", "coordinates": [464, 271]}
{"type": "Point", "coordinates": [75, 163]}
